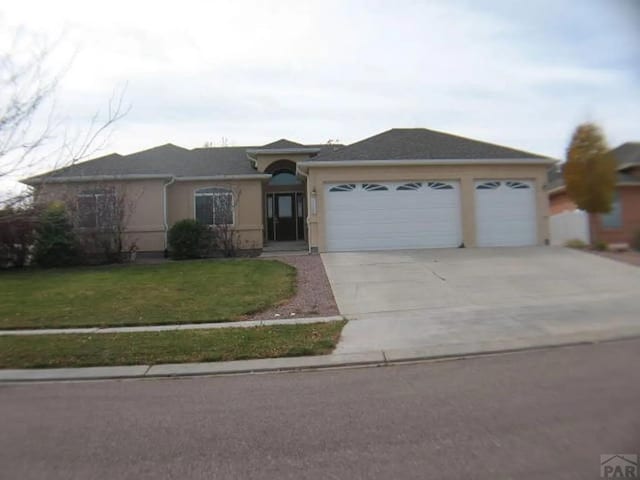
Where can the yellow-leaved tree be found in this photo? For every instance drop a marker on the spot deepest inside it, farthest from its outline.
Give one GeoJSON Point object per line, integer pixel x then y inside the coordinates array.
{"type": "Point", "coordinates": [590, 170]}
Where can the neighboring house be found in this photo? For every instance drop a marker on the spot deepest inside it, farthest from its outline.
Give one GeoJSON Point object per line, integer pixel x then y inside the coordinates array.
{"type": "Point", "coordinates": [403, 188]}
{"type": "Point", "coordinates": [623, 221]}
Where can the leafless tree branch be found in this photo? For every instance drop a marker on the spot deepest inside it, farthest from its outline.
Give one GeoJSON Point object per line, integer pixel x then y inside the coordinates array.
{"type": "Point", "coordinates": [31, 135]}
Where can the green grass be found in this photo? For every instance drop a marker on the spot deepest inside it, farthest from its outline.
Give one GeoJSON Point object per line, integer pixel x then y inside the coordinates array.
{"type": "Point", "coordinates": [145, 348]}
{"type": "Point", "coordinates": [173, 292]}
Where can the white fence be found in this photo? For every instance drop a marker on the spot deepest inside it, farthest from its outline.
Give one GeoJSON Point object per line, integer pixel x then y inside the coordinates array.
{"type": "Point", "coordinates": [569, 226]}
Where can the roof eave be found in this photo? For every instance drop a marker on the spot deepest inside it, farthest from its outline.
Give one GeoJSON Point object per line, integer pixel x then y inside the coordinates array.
{"type": "Point", "coordinates": [251, 176]}
{"type": "Point", "coordinates": [562, 188]}
{"type": "Point", "coordinates": [626, 165]}
{"type": "Point", "coordinates": [103, 178]}
{"type": "Point", "coordinates": [434, 161]}
{"type": "Point", "coordinates": [92, 178]}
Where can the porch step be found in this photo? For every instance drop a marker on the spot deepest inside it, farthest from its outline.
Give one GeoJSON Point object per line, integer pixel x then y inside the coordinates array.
{"type": "Point", "coordinates": [284, 253]}
{"type": "Point", "coordinates": [285, 246]}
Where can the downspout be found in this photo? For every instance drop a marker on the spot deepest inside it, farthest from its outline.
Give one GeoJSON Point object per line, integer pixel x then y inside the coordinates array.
{"type": "Point", "coordinates": [306, 176]}
{"type": "Point", "coordinates": [164, 207]}
{"type": "Point", "coordinates": [253, 161]}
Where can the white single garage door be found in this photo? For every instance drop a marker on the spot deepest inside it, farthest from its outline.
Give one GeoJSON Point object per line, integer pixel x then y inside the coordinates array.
{"type": "Point", "coordinates": [380, 216]}
{"type": "Point", "coordinates": [505, 213]}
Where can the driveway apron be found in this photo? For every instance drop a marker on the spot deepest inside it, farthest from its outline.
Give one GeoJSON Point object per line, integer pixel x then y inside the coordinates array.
{"type": "Point", "coordinates": [415, 299]}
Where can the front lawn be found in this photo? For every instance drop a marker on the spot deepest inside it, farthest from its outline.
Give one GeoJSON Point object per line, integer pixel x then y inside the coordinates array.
{"type": "Point", "coordinates": [147, 348]}
{"type": "Point", "coordinates": [173, 292]}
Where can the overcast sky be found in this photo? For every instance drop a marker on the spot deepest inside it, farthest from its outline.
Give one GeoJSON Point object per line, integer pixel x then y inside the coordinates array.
{"type": "Point", "coordinates": [519, 73]}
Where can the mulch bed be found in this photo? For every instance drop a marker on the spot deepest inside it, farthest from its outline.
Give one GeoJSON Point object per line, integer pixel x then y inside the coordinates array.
{"type": "Point", "coordinates": [313, 297]}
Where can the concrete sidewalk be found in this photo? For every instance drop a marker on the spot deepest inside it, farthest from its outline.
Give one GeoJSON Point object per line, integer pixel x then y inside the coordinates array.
{"type": "Point", "coordinates": [179, 326]}
{"type": "Point", "coordinates": [373, 358]}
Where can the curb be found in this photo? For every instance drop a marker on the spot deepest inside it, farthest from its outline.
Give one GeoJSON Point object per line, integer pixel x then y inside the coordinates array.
{"type": "Point", "coordinates": [175, 326]}
{"type": "Point", "coordinates": [297, 364]}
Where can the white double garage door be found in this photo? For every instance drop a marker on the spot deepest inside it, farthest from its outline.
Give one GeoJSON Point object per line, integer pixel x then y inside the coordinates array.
{"type": "Point", "coordinates": [427, 214]}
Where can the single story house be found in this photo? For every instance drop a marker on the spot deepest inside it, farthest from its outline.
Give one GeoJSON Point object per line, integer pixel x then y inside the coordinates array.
{"type": "Point", "coordinates": [622, 223]}
{"type": "Point", "coordinates": [403, 188]}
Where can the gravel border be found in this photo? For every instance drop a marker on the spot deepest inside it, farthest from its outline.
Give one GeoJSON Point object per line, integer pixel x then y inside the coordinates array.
{"type": "Point", "coordinates": [313, 298]}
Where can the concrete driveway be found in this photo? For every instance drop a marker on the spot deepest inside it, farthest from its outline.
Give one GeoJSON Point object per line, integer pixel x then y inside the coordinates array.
{"type": "Point", "coordinates": [464, 300]}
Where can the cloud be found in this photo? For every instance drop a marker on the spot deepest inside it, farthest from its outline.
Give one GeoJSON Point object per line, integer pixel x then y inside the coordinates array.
{"type": "Point", "coordinates": [509, 72]}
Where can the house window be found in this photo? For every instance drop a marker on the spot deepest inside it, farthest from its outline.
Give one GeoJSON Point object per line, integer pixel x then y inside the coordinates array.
{"type": "Point", "coordinates": [373, 187]}
{"type": "Point", "coordinates": [97, 208]}
{"type": "Point", "coordinates": [347, 187]}
{"type": "Point", "coordinates": [440, 186]}
{"type": "Point", "coordinates": [517, 185]}
{"type": "Point", "coordinates": [488, 186]}
{"type": "Point", "coordinates": [613, 219]}
{"type": "Point", "coordinates": [410, 186]}
{"type": "Point", "coordinates": [284, 177]}
{"type": "Point", "coordinates": [214, 206]}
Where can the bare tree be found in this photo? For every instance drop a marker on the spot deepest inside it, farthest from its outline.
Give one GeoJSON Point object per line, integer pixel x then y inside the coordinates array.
{"type": "Point", "coordinates": [225, 240]}
{"type": "Point", "coordinates": [222, 237]}
{"type": "Point", "coordinates": [31, 134]}
{"type": "Point", "coordinates": [223, 142]}
{"type": "Point", "coordinates": [100, 213]}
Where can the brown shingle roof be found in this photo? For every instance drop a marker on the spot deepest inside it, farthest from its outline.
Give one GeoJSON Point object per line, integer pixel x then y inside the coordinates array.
{"type": "Point", "coordinates": [421, 144]}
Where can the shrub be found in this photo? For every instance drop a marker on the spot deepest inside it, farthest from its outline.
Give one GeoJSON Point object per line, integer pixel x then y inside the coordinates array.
{"type": "Point", "coordinates": [100, 246]}
{"type": "Point", "coordinates": [56, 244]}
{"type": "Point", "coordinates": [575, 243]}
{"type": "Point", "coordinates": [600, 246]}
{"type": "Point", "coordinates": [17, 228]}
{"type": "Point", "coordinates": [186, 239]}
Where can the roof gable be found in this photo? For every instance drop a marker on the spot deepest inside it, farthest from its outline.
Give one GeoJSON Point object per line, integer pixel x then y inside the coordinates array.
{"type": "Point", "coordinates": [283, 143]}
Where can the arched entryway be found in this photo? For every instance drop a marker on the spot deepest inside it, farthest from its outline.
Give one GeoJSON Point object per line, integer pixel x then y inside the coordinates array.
{"type": "Point", "coordinates": [285, 209]}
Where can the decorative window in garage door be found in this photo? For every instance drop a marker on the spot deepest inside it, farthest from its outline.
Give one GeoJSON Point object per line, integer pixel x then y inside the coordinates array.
{"type": "Point", "coordinates": [432, 185]}
{"type": "Point", "coordinates": [440, 186]}
{"type": "Point", "coordinates": [488, 186]}
{"type": "Point", "coordinates": [373, 187]}
{"type": "Point", "coordinates": [347, 187]}
{"type": "Point", "coordinates": [517, 185]}
{"type": "Point", "coordinates": [410, 186]}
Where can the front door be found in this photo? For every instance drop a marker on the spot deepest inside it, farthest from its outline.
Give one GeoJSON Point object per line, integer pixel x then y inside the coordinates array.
{"type": "Point", "coordinates": [285, 216]}
{"type": "Point", "coordinates": [285, 219]}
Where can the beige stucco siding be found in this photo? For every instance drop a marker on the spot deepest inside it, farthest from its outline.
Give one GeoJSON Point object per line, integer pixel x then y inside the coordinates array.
{"type": "Point", "coordinates": [264, 160]}
{"type": "Point", "coordinates": [318, 177]}
{"type": "Point", "coordinates": [143, 199]}
{"type": "Point", "coordinates": [247, 206]}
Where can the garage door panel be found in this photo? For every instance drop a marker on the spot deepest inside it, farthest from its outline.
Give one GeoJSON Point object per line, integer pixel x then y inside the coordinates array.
{"type": "Point", "coordinates": [392, 218]}
{"type": "Point", "coordinates": [505, 213]}
{"type": "Point", "coordinates": [399, 215]}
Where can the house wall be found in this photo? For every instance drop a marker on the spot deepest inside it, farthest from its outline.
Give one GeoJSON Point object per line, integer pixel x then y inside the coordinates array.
{"type": "Point", "coordinates": [560, 202]}
{"type": "Point", "coordinates": [630, 200]}
{"type": "Point", "coordinates": [465, 174]}
{"type": "Point", "coordinates": [248, 219]}
{"type": "Point", "coordinates": [145, 223]}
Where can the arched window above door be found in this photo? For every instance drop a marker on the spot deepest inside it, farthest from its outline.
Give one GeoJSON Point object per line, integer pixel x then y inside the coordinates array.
{"type": "Point", "coordinates": [284, 177]}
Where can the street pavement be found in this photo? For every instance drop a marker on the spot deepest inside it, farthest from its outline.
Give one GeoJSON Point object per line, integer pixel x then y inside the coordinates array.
{"type": "Point", "coordinates": [528, 415]}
